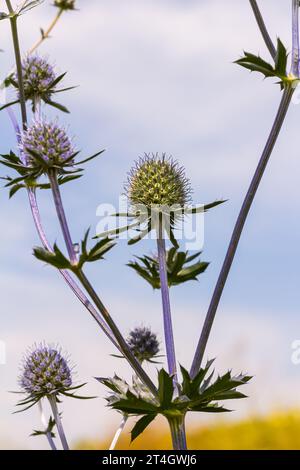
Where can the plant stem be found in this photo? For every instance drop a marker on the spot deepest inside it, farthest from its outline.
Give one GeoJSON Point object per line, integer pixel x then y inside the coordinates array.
{"type": "Point", "coordinates": [58, 422]}
{"type": "Point", "coordinates": [34, 208]}
{"type": "Point", "coordinates": [69, 280]}
{"type": "Point", "coordinates": [45, 424]}
{"type": "Point", "coordinates": [62, 216]}
{"type": "Point", "coordinates": [46, 33]}
{"type": "Point", "coordinates": [167, 317]}
{"type": "Point", "coordinates": [263, 29]}
{"type": "Point", "coordinates": [237, 232]}
{"type": "Point", "coordinates": [87, 285]}
{"type": "Point", "coordinates": [295, 28]}
{"type": "Point", "coordinates": [116, 332]}
{"type": "Point", "coordinates": [118, 432]}
{"type": "Point", "coordinates": [177, 427]}
{"type": "Point", "coordinates": [39, 42]}
{"type": "Point", "coordinates": [14, 32]}
{"type": "Point", "coordinates": [33, 202]}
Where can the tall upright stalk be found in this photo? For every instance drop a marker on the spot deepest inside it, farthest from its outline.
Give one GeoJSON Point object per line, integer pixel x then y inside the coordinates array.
{"type": "Point", "coordinates": [58, 422]}
{"type": "Point", "coordinates": [165, 296]}
{"type": "Point", "coordinates": [249, 198]}
{"type": "Point", "coordinates": [177, 428]}
{"type": "Point", "coordinates": [61, 216]}
{"type": "Point", "coordinates": [263, 29]}
{"type": "Point", "coordinates": [14, 32]}
{"type": "Point", "coordinates": [295, 70]}
{"type": "Point", "coordinates": [119, 338]}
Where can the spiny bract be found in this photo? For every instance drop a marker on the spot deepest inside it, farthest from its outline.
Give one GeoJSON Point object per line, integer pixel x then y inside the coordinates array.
{"type": "Point", "coordinates": [158, 180]}
{"type": "Point", "coordinates": [45, 371]}
{"type": "Point", "coordinates": [143, 343]}
{"type": "Point", "coordinates": [47, 140]}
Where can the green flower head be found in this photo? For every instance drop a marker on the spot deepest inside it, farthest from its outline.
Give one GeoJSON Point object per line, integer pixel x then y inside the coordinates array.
{"type": "Point", "coordinates": [65, 4]}
{"type": "Point", "coordinates": [158, 180]}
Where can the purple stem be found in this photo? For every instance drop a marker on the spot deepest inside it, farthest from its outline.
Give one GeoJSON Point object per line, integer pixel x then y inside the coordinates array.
{"type": "Point", "coordinates": [238, 229]}
{"type": "Point", "coordinates": [69, 280]}
{"type": "Point", "coordinates": [62, 216]}
{"type": "Point", "coordinates": [58, 422]}
{"type": "Point", "coordinates": [168, 328]}
{"type": "Point", "coordinates": [295, 51]}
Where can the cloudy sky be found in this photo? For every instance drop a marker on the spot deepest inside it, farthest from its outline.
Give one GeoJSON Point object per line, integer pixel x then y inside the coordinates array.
{"type": "Point", "coordinates": [158, 76]}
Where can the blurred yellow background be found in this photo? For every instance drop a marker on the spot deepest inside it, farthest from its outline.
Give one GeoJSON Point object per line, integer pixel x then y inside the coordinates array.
{"type": "Point", "coordinates": [277, 431]}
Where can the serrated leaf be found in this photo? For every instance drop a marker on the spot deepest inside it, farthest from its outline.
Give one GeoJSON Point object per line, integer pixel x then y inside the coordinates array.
{"type": "Point", "coordinates": [55, 258]}
{"type": "Point", "coordinates": [281, 59]}
{"type": "Point", "coordinates": [141, 425]}
{"type": "Point", "coordinates": [165, 388]}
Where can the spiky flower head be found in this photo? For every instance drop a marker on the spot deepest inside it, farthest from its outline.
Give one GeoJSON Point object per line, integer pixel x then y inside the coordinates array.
{"type": "Point", "coordinates": [143, 343]}
{"type": "Point", "coordinates": [46, 142]}
{"type": "Point", "coordinates": [65, 4]}
{"type": "Point", "coordinates": [38, 77]}
{"type": "Point", "coordinates": [45, 372]}
{"type": "Point", "coordinates": [158, 180]}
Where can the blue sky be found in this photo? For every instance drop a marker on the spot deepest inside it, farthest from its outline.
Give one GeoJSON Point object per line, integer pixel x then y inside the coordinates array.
{"type": "Point", "coordinates": [158, 76]}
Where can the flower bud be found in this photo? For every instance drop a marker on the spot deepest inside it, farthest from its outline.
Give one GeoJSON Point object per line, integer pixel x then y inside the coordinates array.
{"type": "Point", "coordinates": [45, 371]}
{"type": "Point", "coordinates": [47, 140]}
{"type": "Point", "coordinates": [38, 76]}
{"type": "Point", "coordinates": [158, 180]}
{"type": "Point", "coordinates": [143, 343]}
{"type": "Point", "coordinates": [65, 4]}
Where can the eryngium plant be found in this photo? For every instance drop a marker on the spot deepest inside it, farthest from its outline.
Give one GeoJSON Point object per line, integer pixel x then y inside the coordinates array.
{"type": "Point", "coordinates": [40, 83]}
{"type": "Point", "coordinates": [143, 343]}
{"type": "Point", "coordinates": [158, 180]}
{"type": "Point", "coordinates": [46, 373]}
{"type": "Point", "coordinates": [158, 190]}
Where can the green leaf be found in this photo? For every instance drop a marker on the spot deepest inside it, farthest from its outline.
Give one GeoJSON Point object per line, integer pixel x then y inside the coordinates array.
{"type": "Point", "coordinates": [281, 59]}
{"type": "Point", "coordinates": [97, 252]}
{"type": "Point", "coordinates": [141, 425]}
{"type": "Point", "coordinates": [3, 16]}
{"type": "Point", "coordinates": [179, 269]}
{"type": "Point", "coordinates": [11, 103]}
{"type": "Point", "coordinates": [56, 105]}
{"type": "Point", "coordinates": [57, 80]}
{"type": "Point", "coordinates": [165, 388]}
{"type": "Point", "coordinates": [134, 405]}
{"type": "Point", "coordinates": [55, 258]}
{"type": "Point", "coordinates": [256, 64]}
{"type": "Point", "coordinates": [90, 158]}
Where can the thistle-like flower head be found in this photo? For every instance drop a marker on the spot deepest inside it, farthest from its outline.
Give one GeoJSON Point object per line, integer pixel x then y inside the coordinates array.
{"type": "Point", "coordinates": [38, 77]}
{"type": "Point", "coordinates": [65, 4]}
{"type": "Point", "coordinates": [46, 142]}
{"type": "Point", "coordinates": [143, 343]}
{"type": "Point", "coordinates": [158, 180]}
{"type": "Point", "coordinates": [45, 372]}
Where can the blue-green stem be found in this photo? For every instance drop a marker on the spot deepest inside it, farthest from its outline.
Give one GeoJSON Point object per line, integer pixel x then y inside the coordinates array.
{"type": "Point", "coordinates": [261, 24]}
{"type": "Point", "coordinates": [14, 31]}
{"type": "Point", "coordinates": [121, 343]}
{"type": "Point", "coordinates": [177, 428]}
{"type": "Point", "coordinates": [165, 296]}
{"type": "Point", "coordinates": [295, 49]}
